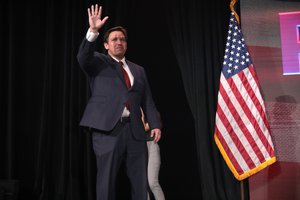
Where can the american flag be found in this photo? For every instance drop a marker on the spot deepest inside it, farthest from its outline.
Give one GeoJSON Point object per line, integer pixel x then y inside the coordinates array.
{"type": "Point", "coordinates": [242, 131]}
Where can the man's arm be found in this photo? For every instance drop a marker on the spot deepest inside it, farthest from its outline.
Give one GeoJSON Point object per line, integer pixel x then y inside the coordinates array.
{"type": "Point", "coordinates": [86, 51]}
{"type": "Point", "coordinates": [151, 112]}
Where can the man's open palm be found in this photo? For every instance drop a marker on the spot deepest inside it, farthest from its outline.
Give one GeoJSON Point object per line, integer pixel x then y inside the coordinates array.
{"type": "Point", "coordinates": [95, 20]}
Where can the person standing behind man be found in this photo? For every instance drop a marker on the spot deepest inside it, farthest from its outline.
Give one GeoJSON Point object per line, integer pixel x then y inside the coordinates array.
{"type": "Point", "coordinates": [154, 163]}
{"type": "Point", "coordinates": [119, 88]}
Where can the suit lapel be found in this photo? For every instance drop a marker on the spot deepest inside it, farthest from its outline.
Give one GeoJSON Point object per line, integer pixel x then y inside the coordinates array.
{"type": "Point", "coordinates": [120, 72]}
{"type": "Point", "coordinates": [118, 69]}
{"type": "Point", "coordinates": [133, 72]}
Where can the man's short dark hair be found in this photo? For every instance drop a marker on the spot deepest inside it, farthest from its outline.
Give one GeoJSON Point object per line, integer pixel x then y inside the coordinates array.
{"type": "Point", "coordinates": [116, 28]}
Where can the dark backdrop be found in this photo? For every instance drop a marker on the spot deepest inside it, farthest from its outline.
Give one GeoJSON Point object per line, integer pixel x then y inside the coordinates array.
{"type": "Point", "coordinates": [43, 93]}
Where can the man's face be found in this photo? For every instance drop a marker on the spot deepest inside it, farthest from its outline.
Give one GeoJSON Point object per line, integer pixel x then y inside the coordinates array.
{"type": "Point", "coordinates": [116, 44]}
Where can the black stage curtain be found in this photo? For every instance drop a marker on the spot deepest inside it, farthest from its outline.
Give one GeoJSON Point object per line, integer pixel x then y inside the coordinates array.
{"type": "Point", "coordinates": [43, 94]}
{"type": "Point", "coordinates": [198, 32]}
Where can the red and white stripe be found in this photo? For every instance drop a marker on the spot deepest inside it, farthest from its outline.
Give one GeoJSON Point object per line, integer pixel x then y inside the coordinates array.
{"type": "Point", "coordinates": [241, 123]}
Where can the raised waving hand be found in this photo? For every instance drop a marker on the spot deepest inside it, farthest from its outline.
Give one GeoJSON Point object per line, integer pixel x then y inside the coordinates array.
{"type": "Point", "coordinates": [95, 20]}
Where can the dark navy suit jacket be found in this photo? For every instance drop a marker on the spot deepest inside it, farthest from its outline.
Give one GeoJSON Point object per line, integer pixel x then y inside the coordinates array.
{"type": "Point", "coordinates": [109, 93]}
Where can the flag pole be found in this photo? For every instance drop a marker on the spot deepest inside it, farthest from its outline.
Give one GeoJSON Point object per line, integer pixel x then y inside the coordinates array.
{"type": "Point", "coordinates": [232, 3]}
{"type": "Point", "coordinates": [242, 190]}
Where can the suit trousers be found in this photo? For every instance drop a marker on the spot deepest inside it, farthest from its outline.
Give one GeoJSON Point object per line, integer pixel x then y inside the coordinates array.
{"type": "Point", "coordinates": [111, 148]}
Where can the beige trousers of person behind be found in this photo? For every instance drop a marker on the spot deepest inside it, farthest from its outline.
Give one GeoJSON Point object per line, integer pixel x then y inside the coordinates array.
{"type": "Point", "coordinates": [153, 170]}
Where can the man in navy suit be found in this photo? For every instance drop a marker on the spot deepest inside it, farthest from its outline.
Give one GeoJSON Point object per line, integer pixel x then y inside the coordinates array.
{"type": "Point", "coordinates": [113, 112]}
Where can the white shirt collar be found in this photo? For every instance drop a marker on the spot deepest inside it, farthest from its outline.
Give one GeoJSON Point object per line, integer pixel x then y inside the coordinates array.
{"type": "Point", "coordinates": [122, 60]}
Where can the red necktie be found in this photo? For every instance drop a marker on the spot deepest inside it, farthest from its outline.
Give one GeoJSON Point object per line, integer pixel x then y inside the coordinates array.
{"type": "Point", "coordinates": [127, 81]}
{"type": "Point", "coordinates": [126, 77]}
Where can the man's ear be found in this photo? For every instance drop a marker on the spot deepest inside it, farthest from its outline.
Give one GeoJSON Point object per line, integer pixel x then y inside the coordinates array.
{"type": "Point", "coordinates": [105, 45]}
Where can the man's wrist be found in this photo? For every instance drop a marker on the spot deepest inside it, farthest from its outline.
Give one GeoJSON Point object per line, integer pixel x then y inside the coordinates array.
{"type": "Point", "coordinates": [94, 30]}
{"type": "Point", "coordinates": [92, 36]}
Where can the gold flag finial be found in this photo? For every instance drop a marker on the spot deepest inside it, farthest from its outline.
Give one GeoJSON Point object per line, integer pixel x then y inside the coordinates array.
{"type": "Point", "coordinates": [232, 10]}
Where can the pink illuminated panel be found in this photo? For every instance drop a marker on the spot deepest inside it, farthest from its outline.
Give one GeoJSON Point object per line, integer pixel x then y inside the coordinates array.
{"type": "Point", "coordinates": [298, 35]}
{"type": "Point", "coordinates": [290, 42]}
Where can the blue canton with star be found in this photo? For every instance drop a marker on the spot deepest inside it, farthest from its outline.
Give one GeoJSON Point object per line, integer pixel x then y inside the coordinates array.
{"type": "Point", "coordinates": [236, 56]}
